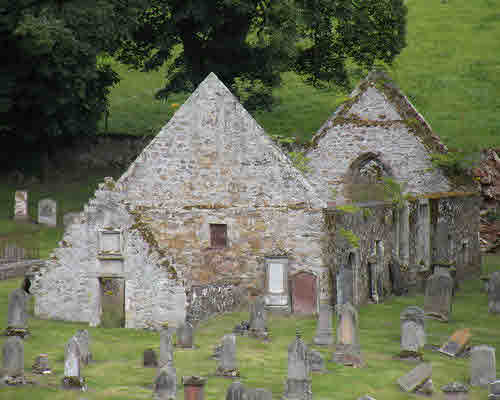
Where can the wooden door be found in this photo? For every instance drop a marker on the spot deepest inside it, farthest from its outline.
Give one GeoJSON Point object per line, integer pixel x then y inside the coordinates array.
{"type": "Point", "coordinates": [304, 293]}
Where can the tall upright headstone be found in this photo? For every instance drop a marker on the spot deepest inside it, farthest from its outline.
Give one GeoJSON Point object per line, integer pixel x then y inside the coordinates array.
{"type": "Point", "coordinates": [494, 293]}
{"type": "Point", "coordinates": [227, 365]}
{"type": "Point", "coordinates": [13, 359]}
{"type": "Point", "coordinates": [166, 347]}
{"type": "Point", "coordinates": [185, 335]}
{"type": "Point", "coordinates": [47, 212]}
{"type": "Point", "coordinates": [21, 205]}
{"type": "Point", "coordinates": [165, 384]}
{"type": "Point", "coordinates": [347, 348]}
{"type": "Point", "coordinates": [438, 295]}
{"type": "Point", "coordinates": [412, 329]}
{"type": "Point", "coordinates": [324, 326]}
{"type": "Point", "coordinates": [72, 378]}
{"type": "Point", "coordinates": [482, 365]}
{"type": "Point", "coordinates": [236, 391]}
{"type": "Point", "coordinates": [258, 319]}
{"type": "Point", "coordinates": [17, 315]}
{"type": "Point", "coordinates": [298, 383]}
{"type": "Point", "coordinates": [83, 338]}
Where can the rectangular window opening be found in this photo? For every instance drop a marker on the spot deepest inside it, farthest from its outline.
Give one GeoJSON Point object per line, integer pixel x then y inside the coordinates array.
{"type": "Point", "coordinates": [218, 235]}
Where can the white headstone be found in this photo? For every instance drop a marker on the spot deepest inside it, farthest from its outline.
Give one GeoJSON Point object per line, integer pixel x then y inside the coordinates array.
{"type": "Point", "coordinates": [21, 205]}
{"type": "Point", "coordinates": [47, 212]}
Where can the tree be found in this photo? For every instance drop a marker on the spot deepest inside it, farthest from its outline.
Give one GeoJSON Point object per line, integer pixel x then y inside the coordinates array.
{"type": "Point", "coordinates": [258, 39]}
{"type": "Point", "coordinates": [52, 86]}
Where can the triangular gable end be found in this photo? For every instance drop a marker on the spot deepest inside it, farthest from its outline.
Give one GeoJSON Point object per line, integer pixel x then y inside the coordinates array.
{"type": "Point", "coordinates": [213, 152]}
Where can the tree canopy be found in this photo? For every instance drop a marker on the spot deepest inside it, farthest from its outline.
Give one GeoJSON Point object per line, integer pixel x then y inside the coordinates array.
{"type": "Point", "coordinates": [256, 40]}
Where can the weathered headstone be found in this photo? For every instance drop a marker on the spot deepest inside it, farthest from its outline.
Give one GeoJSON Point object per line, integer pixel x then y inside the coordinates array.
{"type": "Point", "coordinates": [165, 384]}
{"type": "Point", "coordinates": [494, 293]}
{"type": "Point", "coordinates": [412, 330]}
{"type": "Point", "coordinates": [438, 295]}
{"type": "Point", "coordinates": [72, 356]}
{"type": "Point", "coordinates": [455, 391]}
{"type": "Point", "coordinates": [347, 349]}
{"type": "Point", "coordinates": [13, 358]}
{"type": "Point", "coordinates": [217, 351]}
{"type": "Point", "coordinates": [398, 283]}
{"type": "Point", "coordinates": [69, 218]}
{"type": "Point", "coordinates": [185, 335]}
{"type": "Point", "coordinates": [17, 315]}
{"type": "Point", "coordinates": [166, 347]}
{"type": "Point", "coordinates": [298, 383]}
{"type": "Point", "coordinates": [83, 338]}
{"type": "Point", "coordinates": [456, 343]}
{"type": "Point", "coordinates": [194, 387]}
{"type": "Point", "coordinates": [41, 365]}
{"type": "Point", "coordinates": [236, 391]}
{"type": "Point", "coordinates": [324, 327]}
{"type": "Point", "coordinates": [317, 361]}
{"type": "Point", "coordinates": [21, 205]}
{"type": "Point", "coordinates": [263, 394]}
{"type": "Point", "coordinates": [258, 316]}
{"type": "Point", "coordinates": [416, 378]}
{"type": "Point", "coordinates": [149, 359]}
{"type": "Point", "coordinates": [494, 390]}
{"type": "Point", "coordinates": [227, 363]}
{"type": "Point", "coordinates": [47, 212]}
{"type": "Point", "coordinates": [482, 365]}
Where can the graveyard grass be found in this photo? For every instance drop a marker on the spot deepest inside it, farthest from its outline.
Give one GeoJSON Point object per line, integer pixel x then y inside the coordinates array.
{"type": "Point", "coordinates": [117, 372]}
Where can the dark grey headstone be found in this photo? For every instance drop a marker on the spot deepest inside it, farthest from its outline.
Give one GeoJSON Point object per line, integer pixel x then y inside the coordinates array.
{"type": "Point", "coordinates": [345, 285]}
{"type": "Point", "coordinates": [165, 384]}
{"type": "Point", "coordinates": [299, 366]}
{"type": "Point", "coordinates": [398, 283]}
{"type": "Point", "coordinates": [149, 359]}
{"type": "Point", "coordinates": [227, 365]}
{"type": "Point", "coordinates": [324, 326]}
{"type": "Point", "coordinates": [438, 296]}
{"type": "Point", "coordinates": [258, 318]}
{"type": "Point", "coordinates": [482, 365]}
{"type": "Point", "coordinates": [17, 315]}
{"type": "Point", "coordinates": [236, 391]}
{"type": "Point", "coordinates": [416, 377]}
{"type": "Point", "coordinates": [185, 335]}
{"type": "Point", "coordinates": [166, 347]}
{"type": "Point", "coordinates": [13, 357]}
{"type": "Point", "coordinates": [494, 293]}
{"type": "Point", "coordinates": [317, 361]}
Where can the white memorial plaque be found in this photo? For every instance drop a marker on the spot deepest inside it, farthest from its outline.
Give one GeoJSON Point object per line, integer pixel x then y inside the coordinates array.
{"type": "Point", "coordinates": [110, 242]}
{"type": "Point", "coordinates": [110, 267]}
{"type": "Point", "coordinates": [276, 278]}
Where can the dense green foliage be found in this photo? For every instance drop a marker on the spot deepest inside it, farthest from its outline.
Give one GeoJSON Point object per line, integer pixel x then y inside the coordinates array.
{"type": "Point", "coordinates": [257, 40]}
{"type": "Point", "coordinates": [52, 87]}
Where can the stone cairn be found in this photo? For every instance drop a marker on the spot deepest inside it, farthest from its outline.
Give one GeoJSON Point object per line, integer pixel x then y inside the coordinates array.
{"type": "Point", "coordinates": [324, 327]}
{"type": "Point", "coordinates": [13, 362]}
{"type": "Point", "coordinates": [438, 295]}
{"type": "Point", "coordinates": [494, 293]}
{"type": "Point", "coordinates": [258, 320]}
{"type": "Point", "coordinates": [17, 314]}
{"type": "Point", "coordinates": [72, 358]}
{"type": "Point", "coordinates": [412, 333]}
{"type": "Point", "coordinates": [347, 349]}
{"type": "Point", "coordinates": [482, 365]}
{"type": "Point", "coordinates": [227, 362]}
{"type": "Point", "coordinates": [185, 336]}
{"type": "Point", "coordinates": [298, 383]}
{"type": "Point", "coordinates": [41, 365]}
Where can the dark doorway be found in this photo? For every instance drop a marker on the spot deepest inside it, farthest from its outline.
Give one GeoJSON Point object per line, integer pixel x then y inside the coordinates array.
{"type": "Point", "coordinates": [112, 302]}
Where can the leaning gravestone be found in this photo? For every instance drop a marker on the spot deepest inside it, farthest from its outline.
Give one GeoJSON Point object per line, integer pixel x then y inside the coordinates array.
{"type": "Point", "coordinates": [258, 323]}
{"type": "Point", "coordinates": [149, 359]}
{"type": "Point", "coordinates": [438, 295]}
{"type": "Point", "coordinates": [41, 365]}
{"type": "Point", "coordinates": [165, 384]}
{"type": "Point", "coordinates": [17, 315]}
{"type": "Point", "coordinates": [416, 378]}
{"type": "Point", "coordinates": [47, 212]}
{"type": "Point", "coordinates": [317, 362]}
{"type": "Point", "coordinates": [72, 378]}
{"type": "Point", "coordinates": [166, 348]}
{"type": "Point", "coordinates": [13, 361]}
{"type": "Point", "coordinates": [482, 366]}
{"type": "Point", "coordinates": [21, 206]}
{"type": "Point", "coordinates": [83, 338]}
{"type": "Point", "coordinates": [494, 391]}
{"type": "Point", "coordinates": [227, 363]}
{"type": "Point", "coordinates": [324, 328]}
{"type": "Point", "coordinates": [298, 383]}
{"type": "Point", "coordinates": [412, 330]}
{"type": "Point", "coordinates": [236, 391]}
{"type": "Point", "coordinates": [347, 349]}
{"type": "Point", "coordinates": [456, 343]}
{"type": "Point", "coordinates": [185, 335]}
{"type": "Point", "coordinates": [494, 293]}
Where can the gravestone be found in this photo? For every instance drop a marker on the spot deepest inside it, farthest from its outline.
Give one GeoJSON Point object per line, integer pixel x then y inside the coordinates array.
{"type": "Point", "coordinates": [194, 387]}
{"type": "Point", "coordinates": [83, 338]}
{"type": "Point", "coordinates": [482, 365]}
{"type": "Point", "coordinates": [324, 326]}
{"type": "Point", "coordinates": [438, 295]}
{"type": "Point", "coordinates": [13, 359]}
{"type": "Point", "coordinates": [317, 361]}
{"type": "Point", "coordinates": [47, 212]}
{"type": "Point", "coordinates": [416, 378]}
{"type": "Point", "coordinates": [217, 351]}
{"type": "Point", "coordinates": [149, 359]}
{"type": "Point", "coordinates": [227, 363]}
{"type": "Point", "coordinates": [455, 391]}
{"type": "Point", "coordinates": [17, 315]}
{"type": "Point", "coordinates": [347, 349]}
{"type": "Point", "coordinates": [166, 347]}
{"type": "Point", "coordinates": [345, 285]}
{"type": "Point", "coordinates": [41, 365]}
{"type": "Point", "coordinates": [398, 284]}
{"type": "Point", "coordinates": [494, 390]}
{"type": "Point", "coordinates": [236, 391]}
{"type": "Point", "coordinates": [185, 335]}
{"type": "Point", "coordinates": [494, 293]}
{"type": "Point", "coordinates": [298, 383]}
{"type": "Point", "coordinates": [72, 356]}
{"type": "Point", "coordinates": [69, 218]}
{"type": "Point", "coordinates": [165, 384]}
{"type": "Point", "coordinates": [412, 330]}
{"type": "Point", "coordinates": [262, 394]}
{"type": "Point", "coordinates": [21, 205]}
{"type": "Point", "coordinates": [456, 343]}
{"type": "Point", "coordinates": [257, 322]}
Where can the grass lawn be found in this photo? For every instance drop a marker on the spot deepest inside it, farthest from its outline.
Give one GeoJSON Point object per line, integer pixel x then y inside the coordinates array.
{"type": "Point", "coordinates": [117, 372]}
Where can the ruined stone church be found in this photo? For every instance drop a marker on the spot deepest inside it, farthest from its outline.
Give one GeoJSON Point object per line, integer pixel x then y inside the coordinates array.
{"type": "Point", "coordinates": [213, 212]}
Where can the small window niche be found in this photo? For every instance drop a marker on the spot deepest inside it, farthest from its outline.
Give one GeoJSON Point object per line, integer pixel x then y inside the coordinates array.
{"type": "Point", "coordinates": [218, 236]}
{"type": "Point", "coordinates": [110, 243]}
{"type": "Point", "coordinates": [276, 286]}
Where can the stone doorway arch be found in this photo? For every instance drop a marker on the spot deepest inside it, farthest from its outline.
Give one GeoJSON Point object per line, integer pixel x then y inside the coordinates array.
{"type": "Point", "coordinates": [304, 292]}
